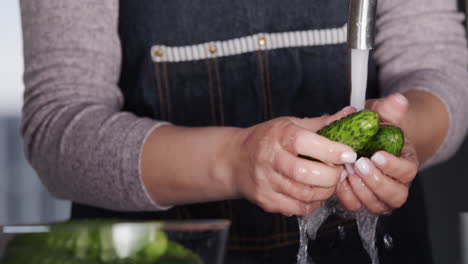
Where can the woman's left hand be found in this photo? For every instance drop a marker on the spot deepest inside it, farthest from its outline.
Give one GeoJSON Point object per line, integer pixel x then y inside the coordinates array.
{"type": "Point", "coordinates": [381, 184]}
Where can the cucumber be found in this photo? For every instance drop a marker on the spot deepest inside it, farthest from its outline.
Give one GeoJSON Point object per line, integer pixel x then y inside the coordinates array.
{"type": "Point", "coordinates": [82, 242]}
{"type": "Point", "coordinates": [354, 130]}
{"type": "Point", "coordinates": [389, 138]}
{"type": "Point", "coordinates": [362, 132]}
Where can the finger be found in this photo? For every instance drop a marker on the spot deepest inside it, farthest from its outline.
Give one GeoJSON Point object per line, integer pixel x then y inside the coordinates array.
{"type": "Point", "coordinates": [371, 104]}
{"type": "Point", "coordinates": [392, 108]}
{"type": "Point", "coordinates": [293, 189]}
{"type": "Point", "coordinates": [365, 196]}
{"type": "Point", "coordinates": [283, 204]}
{"type": "Point", "coordinates": [340, 114]}
{"type": "Point", "coordinates": [300, 141]}
{"type": "Point", "coordinates": [314, 124]}
{"type": "Point", "coordinates": [301, 192]}
{"type": "Point", "coordinates": [400, 169]}
{"type": "Point", "coordinates": [348, 199]}
{"type": "Point", "coordinates": [385, 188]}
{"type": "Point", "coordinates": [322, 193]}
{"type": "Point", "coordinates": [307, 172]}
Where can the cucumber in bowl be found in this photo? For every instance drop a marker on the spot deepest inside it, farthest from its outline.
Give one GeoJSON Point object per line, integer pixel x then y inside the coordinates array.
{"type": "Point", "coordinates": [98, 242]}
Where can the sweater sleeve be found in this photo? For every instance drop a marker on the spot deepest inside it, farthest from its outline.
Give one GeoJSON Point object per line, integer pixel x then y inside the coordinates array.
{"type": "Point", "coordinates": [81, 144]}
{"type": "Point", "coordinates": [421, 45]}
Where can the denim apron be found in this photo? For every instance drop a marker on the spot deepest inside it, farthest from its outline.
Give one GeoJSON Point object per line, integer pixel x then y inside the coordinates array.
{"type": "Point", "coordinates": [240, 63]}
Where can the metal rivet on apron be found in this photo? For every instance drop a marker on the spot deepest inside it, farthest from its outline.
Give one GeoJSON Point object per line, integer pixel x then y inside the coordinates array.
{"type": "Point", "coordinates": [341, 232]}
{"type": "Point", "coordinates": [159, 53]}
{"type": "Point", "coordinates": [388, 242]}
{"type": "Point", "coordinates": [212, 49]}
{"type": "Point", "coordinates": [262, 41]}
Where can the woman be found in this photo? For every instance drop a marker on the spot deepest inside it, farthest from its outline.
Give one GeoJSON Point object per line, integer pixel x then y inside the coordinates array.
{"type": "Point", "coordinates": [175, 109]}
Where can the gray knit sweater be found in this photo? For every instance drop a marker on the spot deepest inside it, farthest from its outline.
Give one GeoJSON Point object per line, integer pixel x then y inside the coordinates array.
{"type": "Point", "coordinates": [86, 149]}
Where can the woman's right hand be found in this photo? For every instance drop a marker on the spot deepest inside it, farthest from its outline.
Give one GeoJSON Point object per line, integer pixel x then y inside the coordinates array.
{"type": "Point", "coordinates": [270, 173]}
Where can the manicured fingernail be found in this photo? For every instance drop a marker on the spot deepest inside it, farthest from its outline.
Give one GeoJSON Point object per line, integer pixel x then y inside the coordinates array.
{"type": "Point", "coordinates": [344, 175]}
{"type": "Point", "coordinates": [401, 99]}
{"type": "Point", "coordinates": [348, 157]}
{"type": "Point", "coordinates": [349, 168]}
{"type": "Point", "coordinates": [362, 166]}
{"type": "Point", "coordinates": [379, 159]}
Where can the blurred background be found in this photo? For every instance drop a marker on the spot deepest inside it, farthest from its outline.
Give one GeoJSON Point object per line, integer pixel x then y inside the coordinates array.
{"type": "Point", "coordinates": [22, 197]}
{"type": "Point", "coordinates": [24, 200]}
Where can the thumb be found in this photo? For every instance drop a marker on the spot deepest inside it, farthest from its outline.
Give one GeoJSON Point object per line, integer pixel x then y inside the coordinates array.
{"type": "Point", "coordinates": [392, 108]}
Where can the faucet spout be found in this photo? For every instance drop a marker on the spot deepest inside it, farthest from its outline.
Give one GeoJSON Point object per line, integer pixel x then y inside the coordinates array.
{"type": "Point", "coordinates": [361, 24]}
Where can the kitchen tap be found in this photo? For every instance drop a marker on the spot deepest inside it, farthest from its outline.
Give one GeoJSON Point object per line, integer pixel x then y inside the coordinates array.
{"type": "Point", "coordinates": [361, 24]}
{"type": "Point", "coordinates": [361, 34]}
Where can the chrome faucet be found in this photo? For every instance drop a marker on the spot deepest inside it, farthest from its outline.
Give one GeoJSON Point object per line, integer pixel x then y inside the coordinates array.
{"type": "Point", "coordinates": [361, 24]}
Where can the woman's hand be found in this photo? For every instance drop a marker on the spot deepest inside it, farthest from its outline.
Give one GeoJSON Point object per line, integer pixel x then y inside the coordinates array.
{"type": "Point", "coordinates": [381, 183]}
{"type": "Point", "coordinates": [270, 173]}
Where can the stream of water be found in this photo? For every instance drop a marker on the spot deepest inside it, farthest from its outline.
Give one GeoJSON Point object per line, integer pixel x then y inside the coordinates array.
{"type": "Point", "coordinates": [366, 222]}
{"type": "Point", "coordinates": [359, 65]}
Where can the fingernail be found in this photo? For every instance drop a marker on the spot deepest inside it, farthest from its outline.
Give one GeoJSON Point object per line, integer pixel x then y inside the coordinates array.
{"type": "Point", "coordinates": [348, 157]}
{"type": "Point", "coordinates": [349, 168]}
{"type": "Point", "coordinates": [344, 175]}
{"type": "Point", "coordinates": [401, 99]}
{"type": "Point", "coordinates": [362, 166]}
{"type": "Point", "coordinates": [379, 159]}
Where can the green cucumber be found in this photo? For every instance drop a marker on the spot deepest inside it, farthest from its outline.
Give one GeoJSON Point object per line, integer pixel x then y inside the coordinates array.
{"type": "Point", "coordinates": [362, 132]}
{"type": "Point", "coordinates": [82, 242]}
{"type": "Point", "coordinates": [354, 130]}
{"type": "Point", "coordinates": [389, 138]}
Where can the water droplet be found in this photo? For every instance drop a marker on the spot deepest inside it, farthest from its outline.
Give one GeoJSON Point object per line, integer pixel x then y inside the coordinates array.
{"type": "Point", "coordinates": [341, 232]}
{"type": "Point", "coordinates": [388, 242]}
